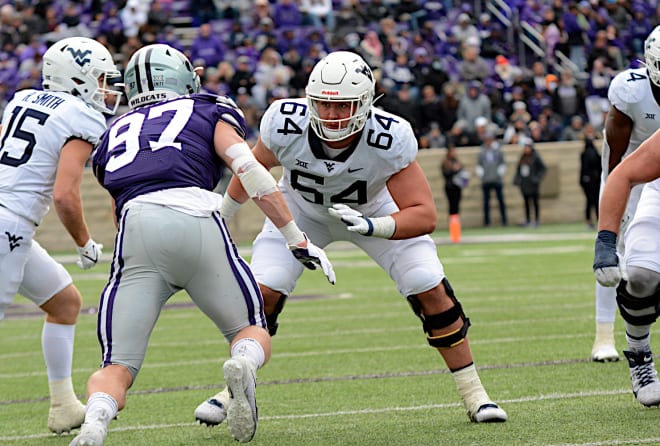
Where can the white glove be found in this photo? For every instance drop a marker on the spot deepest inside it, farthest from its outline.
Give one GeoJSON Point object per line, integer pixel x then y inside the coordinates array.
{"type": "Point", "coordinates": [356, 222]}
{"type": "Point", "coordinates": [229, 207]}
{"type": "Point", "coordinates": [311, 256]}
{"type": "Point", "coordinates": [90, 254]}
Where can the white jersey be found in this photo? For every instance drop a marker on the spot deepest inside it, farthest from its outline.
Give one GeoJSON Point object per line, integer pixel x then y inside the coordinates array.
{"type": "Point", "coordinates": [35, 126]}
{"type": "Point", "coordinates": [356, 177]}
{"type": "Point", "coordinates": [630, 92]}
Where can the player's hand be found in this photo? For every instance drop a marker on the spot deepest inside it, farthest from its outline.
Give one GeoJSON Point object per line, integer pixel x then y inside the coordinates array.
{"type": "Point", "coordinates": [606, 260]}
{"type": "Point", "coordinates": [354, 220]}
{"type": "Point", "coordinates": [90, 254]}
{"type": "Point", "coordinates": [312, 256]}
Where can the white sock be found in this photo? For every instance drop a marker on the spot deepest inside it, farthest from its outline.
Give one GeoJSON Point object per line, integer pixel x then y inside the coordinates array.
{"type": "Point", "coordinates": [57, 347]}
{"type": "Point", "coordinates": [101, 407]}
{"type": "Point", "coordinates": [470, 388]}
{"type": "Point", "coordinates": [250, 349]}
{"type": "Point", "coordinates": [606, 308]}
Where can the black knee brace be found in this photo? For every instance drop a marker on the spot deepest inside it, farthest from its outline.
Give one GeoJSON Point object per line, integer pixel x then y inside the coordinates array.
{"type": "Point", "coordinates": [271, 319]}
{"type": "Point", "coordinates": [441, 320]}
{"type": "Point", "coordinates": [627, 302]}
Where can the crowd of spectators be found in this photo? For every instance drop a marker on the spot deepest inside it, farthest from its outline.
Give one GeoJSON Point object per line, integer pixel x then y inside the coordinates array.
{"type": "Point", "coordinates": [444, 65]}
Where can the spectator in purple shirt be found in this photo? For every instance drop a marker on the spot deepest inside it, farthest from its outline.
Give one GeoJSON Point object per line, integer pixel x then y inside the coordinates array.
{"type": "Point", "coordinates": [207, 47]}
{"type": "Point", "coordinates": [111, 26]}
{"type": "Point", "coordinates": [286, 13]}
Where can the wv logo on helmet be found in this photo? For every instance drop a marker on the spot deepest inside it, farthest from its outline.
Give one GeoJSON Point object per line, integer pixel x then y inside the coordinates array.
{"type": "Point", "coordinates": [80, 57]}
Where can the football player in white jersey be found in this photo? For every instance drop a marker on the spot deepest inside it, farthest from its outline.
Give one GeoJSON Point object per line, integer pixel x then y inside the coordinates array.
{"type": "Point", "coordinates": [634, 115]}
{"type": "Point", "coordinates": [350, 174]}
{"type": "Point", "coordinates": [638, 290]}
{"type": "Point", "coordinates": [47, 137]}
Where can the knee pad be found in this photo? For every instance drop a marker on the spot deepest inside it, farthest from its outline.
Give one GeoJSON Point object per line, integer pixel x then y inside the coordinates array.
{"type": "Point", "coordinates": [271, 319]}
{"type": "Point", "coordinates": [442, 320]}
{"type": "Point", "coordinates": [627, 302]}
{"type": "Point", "coordinates": [642, 281]}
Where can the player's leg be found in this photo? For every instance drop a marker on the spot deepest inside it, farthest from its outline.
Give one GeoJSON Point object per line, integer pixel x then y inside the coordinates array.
{"type": "Point", "coordinates": [50, 286]}
{"type": "Point", "coordinates": [276, 271]}
{"type": "Point", "coordinates": [129, 307]}
{"type": "Point", "coordinates": [225, 289]}
{"type": "Point", "coordinates": [419, 276]}
{"type": "Point", "coordinates": [639, 297]}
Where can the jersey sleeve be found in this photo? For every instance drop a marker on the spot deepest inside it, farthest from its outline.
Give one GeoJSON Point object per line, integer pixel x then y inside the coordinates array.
{"type": "Point", "coordinates": [626, 89]}
{"type": "Point", "coordinates": [275, 127]}
{"type": "Point", "coordinates": [88, 124]}
{"type": "Point", "coordinates": [231, 114]}
{"type": "Point", "coordinates": [396, 137]}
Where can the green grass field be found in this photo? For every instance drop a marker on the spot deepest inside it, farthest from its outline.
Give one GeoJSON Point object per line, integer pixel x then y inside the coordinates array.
{"type": "Point", "coordinates": [351, 365]}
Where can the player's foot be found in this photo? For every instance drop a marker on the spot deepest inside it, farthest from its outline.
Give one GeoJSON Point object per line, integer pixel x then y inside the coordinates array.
{"type": "Point", "coordinates": [64, 417]}
{"type": "Point", "coordinates": [94, 431]}
{"type": "Point", "coordinates": [644, 377]}
{"type": "Point", "coordinates": [214, 410]}
{"type": "Point", "coordinates": [488, 413]}
{"type": "Point", "coordinates": [604, 353]}
{"type": "Point", "coordinates": [241, 380]}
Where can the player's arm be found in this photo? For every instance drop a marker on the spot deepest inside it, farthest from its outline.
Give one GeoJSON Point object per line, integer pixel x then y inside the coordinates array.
{"type": "Point", "coordinates": [642, 166]}
{"type": "Point", "coordinates": [66, 190]}
{"type": "Point", "coordinates": [416, 216]}
{"type": "Point", "coordinates": [412, 193]}
{"type": "Point", "coordinates": [618, 128]}
{"type": "Point", "coordinates": [68, 201]}
{"type": "Point", "coordinates": [257, 183]}
{"type": "Point", "coordinates": [235, 194]}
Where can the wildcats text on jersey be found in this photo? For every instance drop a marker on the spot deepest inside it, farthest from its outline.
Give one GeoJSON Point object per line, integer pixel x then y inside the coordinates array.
{"type": "Point", "coordinates": [148, 98]}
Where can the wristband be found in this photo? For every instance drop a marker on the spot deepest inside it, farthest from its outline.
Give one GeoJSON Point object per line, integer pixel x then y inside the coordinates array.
{"type": "Point", "coordinates": [383, 227]}
{"type": "Point", "coordinates": [292, 233]}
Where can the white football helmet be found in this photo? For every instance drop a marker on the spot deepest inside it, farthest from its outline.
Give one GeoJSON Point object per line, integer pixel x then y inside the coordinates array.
{"type": "Point", "coordinates": [341, 76]}
{"type": "Point", "coordinates": [82, 67]}
{"type": "Point", "coordinates": [158, 72]}
{"type": "Point", "coordinates": [652, 55]}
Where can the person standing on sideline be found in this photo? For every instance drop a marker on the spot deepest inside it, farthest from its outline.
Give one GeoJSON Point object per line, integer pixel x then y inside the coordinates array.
{"type": "Point", "coordinates": [456, 178]}
{"type": "Point", "coordinates": [160, 163]}
{"type": "Point", "coordinates": [590, 172]}
{"type": "Point", "coordinates": [47, 137]}
{"type": "Point", "coordinates": [491, 168]}
{"type": "Point", "coordinates": [634, 116]}
{"type": "Point", "coordinates": [638, 291]}
{"type": "Point", "coordinates": [529, 174]}
{"type": "Point", "coordinates": [350, 174]}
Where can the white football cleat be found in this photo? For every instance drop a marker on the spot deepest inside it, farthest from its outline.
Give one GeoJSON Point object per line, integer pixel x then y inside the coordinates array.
{"type": "Point", "coordinates": [604, 353]}
{"type": "Point", "coordinates": [214, 410]}
{"type": "Point", "coordinates": [644, 377]}
{"type": "Point", "coordinates": [64, 417]}
{"type": "Point", "coordinates": [488, 413]}
{"type": "Point", "coordinates": [91, 434]}
{"type": "Point", "coordinates": [241, 380]}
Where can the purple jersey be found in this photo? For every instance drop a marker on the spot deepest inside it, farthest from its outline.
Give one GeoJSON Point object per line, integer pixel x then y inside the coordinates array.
{"type": "Point", "coordinates": [164, 145]}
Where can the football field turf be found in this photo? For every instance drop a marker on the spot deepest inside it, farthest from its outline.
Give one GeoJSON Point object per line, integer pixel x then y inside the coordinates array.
{"type": "Point", "coordinates": [351, 365]}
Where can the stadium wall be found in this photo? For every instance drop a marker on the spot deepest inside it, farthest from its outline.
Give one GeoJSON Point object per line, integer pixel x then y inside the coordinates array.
{"type": "Point", "coordinates": [562, 200]}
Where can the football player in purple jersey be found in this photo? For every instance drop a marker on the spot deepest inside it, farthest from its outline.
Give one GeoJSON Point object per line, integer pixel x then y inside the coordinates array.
{"type": "Point", "coordinates": [160, 163]}
{"type": "Point", "coordinates": [350, 174]}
